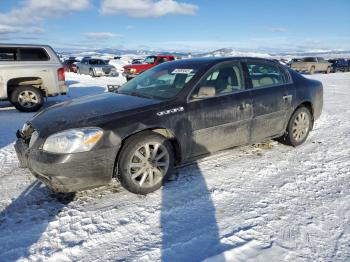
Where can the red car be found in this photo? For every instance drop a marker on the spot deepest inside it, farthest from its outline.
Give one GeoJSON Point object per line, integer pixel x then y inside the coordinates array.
{"type": "Point", "coordinates": [70, 66]}
{"type": "Point", "coordinates": [130, 71]}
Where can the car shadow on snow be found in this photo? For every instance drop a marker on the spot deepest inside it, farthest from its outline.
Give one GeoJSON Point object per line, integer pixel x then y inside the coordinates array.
{"type": "Point", "coordinates": [188, 216]}
{"type": "Point", "coordinates": [23, 222]}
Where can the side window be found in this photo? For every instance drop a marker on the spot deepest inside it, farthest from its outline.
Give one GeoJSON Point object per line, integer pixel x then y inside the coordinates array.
{"type": "Point", "coordinates": [264, 74]}
{"type": "Point", "coordinates": [224, 79]}
{"type": "Point", "coordinates": [162, 60]}
{"type": "Point", "coordinates": [8, 54]}
{"type": "Point", "coordinates": [33, 54]}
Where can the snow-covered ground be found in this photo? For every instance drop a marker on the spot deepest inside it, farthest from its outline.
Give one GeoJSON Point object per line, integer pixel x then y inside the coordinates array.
{"type": "Point", "coordinates": [255, 203]}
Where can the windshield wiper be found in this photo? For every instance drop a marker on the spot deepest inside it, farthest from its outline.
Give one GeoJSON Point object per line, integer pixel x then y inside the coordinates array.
{"type": "Point", "coordinates": [137, 94]}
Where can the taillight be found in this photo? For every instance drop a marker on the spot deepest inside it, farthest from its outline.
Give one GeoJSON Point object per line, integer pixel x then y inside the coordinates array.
{"type": "Point", "coordinates": [60, 74]}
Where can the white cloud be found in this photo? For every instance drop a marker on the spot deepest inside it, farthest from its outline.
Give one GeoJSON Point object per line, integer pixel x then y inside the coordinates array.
{"type": "Point", "coordinates": [29, 13]}
{"type": "Point", "coordinates": [146, 8]}
{"type": "Point", "coordinates": [101, 35]}
{"type": "Point", "coordinates": [277, 29]}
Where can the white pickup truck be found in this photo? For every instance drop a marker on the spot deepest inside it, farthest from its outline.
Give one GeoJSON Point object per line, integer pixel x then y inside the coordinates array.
{"type": "Point", "coordinates": [28, 73]}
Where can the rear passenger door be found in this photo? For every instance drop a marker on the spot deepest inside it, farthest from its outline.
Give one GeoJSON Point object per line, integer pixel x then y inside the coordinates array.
{"type": "Point", "coordinates": [272, 94]}
{"type": "Point", "coordinates": [220, 110]}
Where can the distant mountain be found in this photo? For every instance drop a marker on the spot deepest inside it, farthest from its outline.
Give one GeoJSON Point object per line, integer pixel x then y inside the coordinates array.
{"type": "Point", "coordinates": [324, 53]}
{"type": "Point", "coordinates": [231, 52]}
{"type": "Point", "coordinates": [111, 52]}
{"type": "Point", "coordinates": [115, 52]}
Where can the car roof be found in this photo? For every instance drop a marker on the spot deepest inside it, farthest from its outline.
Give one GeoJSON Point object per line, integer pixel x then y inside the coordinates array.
{"type": "Point", "coordinates": [214, 60]}
{"type": "Point", "coordinates": [23, 45]}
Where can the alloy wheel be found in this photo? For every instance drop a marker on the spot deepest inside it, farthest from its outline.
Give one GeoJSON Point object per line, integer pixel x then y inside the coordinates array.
{"type": "Point", "coordinates": [28, 99]}
{"type": "Point", "coordinates": [149, 164]}
{"type": "Point", "coordinates": [301, 126]}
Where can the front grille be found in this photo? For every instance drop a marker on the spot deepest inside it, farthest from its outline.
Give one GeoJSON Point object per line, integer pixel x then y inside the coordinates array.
{"type": "Point", "coordinates": [106, 70]}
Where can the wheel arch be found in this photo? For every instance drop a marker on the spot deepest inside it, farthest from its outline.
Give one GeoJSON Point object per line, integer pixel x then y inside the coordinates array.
{"type": "Point", "coordinates": [306, 104]}
{"type": "Point", "coordinates": [36, 82]}
{"type": "Point", "coordinates": [165, 132]}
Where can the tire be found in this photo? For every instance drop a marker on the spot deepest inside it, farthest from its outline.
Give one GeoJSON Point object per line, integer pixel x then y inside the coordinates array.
{"type": "Point", "coordinates": [328, 70]}
{"type": "Point", "coordinates": [91, 73]}
{"type": "Point", "coordinates": [78, 71]}
{"type": "Point", "coordinates": [303, 117]}
{"type": "Point", "coordinates": [312, 70]}
{"type": "Point", "coordinates": [27, 98]}
{"type": "Point", "coordinates": [140, 174]}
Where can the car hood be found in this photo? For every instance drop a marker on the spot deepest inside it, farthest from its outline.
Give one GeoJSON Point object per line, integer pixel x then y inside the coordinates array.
{"type": "Point", "coordinates": [136, 66]}
{"type": "Point", "coordinates": [88, 111]}
{"type": "Point", "coordinates": [103, 66]}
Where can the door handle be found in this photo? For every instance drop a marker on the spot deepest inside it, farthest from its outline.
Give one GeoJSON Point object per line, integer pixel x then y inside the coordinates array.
{"type": "Point", "coordinates": [287, 97]}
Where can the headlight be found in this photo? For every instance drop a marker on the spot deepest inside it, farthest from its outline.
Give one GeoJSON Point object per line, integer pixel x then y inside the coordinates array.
{"type": "Point", "coordinates": [132, 70]}
{"type": "Point", "coordinates": [73, 140]}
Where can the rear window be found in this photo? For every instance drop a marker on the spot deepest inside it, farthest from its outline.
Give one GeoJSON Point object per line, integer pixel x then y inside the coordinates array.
{"type": "Point", "coordinates": [309, 59]}
{"type": "Point", "coordinates": [33, 54]}
{"type": "Point", "coordinates": [8, 54]}
{"type": "Point", "coordinates": [265, 74]}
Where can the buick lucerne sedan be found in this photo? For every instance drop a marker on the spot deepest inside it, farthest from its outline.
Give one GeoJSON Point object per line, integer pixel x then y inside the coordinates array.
{"type": "Point", "coordinates": [165, 117]}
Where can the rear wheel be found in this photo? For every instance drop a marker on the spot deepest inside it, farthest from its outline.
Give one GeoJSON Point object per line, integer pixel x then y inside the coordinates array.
{"type": "Point", "coordinates": [299, 127]}
{"type": "Point", "coordinates": [27, 98]}
{"type": "Point", "coordinates": [312, 70]}
{"type": "Point", "coordinates": [145, 162]}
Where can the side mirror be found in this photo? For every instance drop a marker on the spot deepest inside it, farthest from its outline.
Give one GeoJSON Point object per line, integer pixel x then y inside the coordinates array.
{"type": "Point", "coordinates": [112, 88]}
{"type": "Point", "coordinates": [205, 92]}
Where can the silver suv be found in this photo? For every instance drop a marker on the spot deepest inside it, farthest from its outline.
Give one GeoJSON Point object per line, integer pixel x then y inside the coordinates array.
{"type": "Point", "coordinates": [28, 73]}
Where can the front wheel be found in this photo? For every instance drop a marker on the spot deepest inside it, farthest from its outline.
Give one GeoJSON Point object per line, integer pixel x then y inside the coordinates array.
{"type": "Point", "coordinates": [145, 162]}
{"type": "Point", "coordinates": [328, 70]}
{"type": "Point", "coordinates": [27, 98]}
{"type": "Point", "coordinates": [299, 127]}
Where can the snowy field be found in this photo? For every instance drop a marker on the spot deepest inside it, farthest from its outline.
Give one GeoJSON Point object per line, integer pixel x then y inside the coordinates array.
{"type": "Point", "coordinates": [255, 203]}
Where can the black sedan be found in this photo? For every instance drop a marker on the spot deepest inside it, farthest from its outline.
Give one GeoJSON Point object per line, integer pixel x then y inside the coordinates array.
{"type": "Point", "coordinates": [167, 116]}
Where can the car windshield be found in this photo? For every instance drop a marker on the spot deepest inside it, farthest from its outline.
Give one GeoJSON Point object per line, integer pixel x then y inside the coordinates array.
{"type": "Point", "coordinates": [97, 62]}
{"type": "Point", "coordinates": [309, 59]}
{"type": "Point", "coordinates": [150, 60]}
{"type": "Point", "coordinates": [162, 82]}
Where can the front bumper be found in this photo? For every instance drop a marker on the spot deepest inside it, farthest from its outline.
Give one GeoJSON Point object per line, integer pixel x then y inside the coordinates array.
{"type": "Point", "coordinates": [103, 73]}
{"type": "Point", "coordinates": [302, 70]}
{"type": "Point", "coordinates": [68, 172]}
{"type": "Point", "coordinates": [130, 76]}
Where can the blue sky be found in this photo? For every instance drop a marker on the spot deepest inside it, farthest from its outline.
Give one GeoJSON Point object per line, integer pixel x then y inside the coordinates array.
{"type": "Point", "coordinates": [276, 25]}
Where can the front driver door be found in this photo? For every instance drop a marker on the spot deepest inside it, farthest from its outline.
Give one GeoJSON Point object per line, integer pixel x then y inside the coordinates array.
{"type": "Point", "coordinates": [220, 110]}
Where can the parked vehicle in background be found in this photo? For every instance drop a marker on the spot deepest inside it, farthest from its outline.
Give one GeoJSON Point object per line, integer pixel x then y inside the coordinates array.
{"type": "Point", "coordinates": [28, 73]}
{"type": "Point", "coordinates": [130, 71]}
{"type": "Point", "coordinates": [294, 60]}
{"type": "Point", "coordinates": [311, 65]}
{"type": "Point", "coordinates": [339, 65]}
{"type": "Point", "coordinates": [70, 65]}
{"type": "Point", "coordinates": [95, 67]}
{"type": "Point", "coordinates": [167, 116]}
